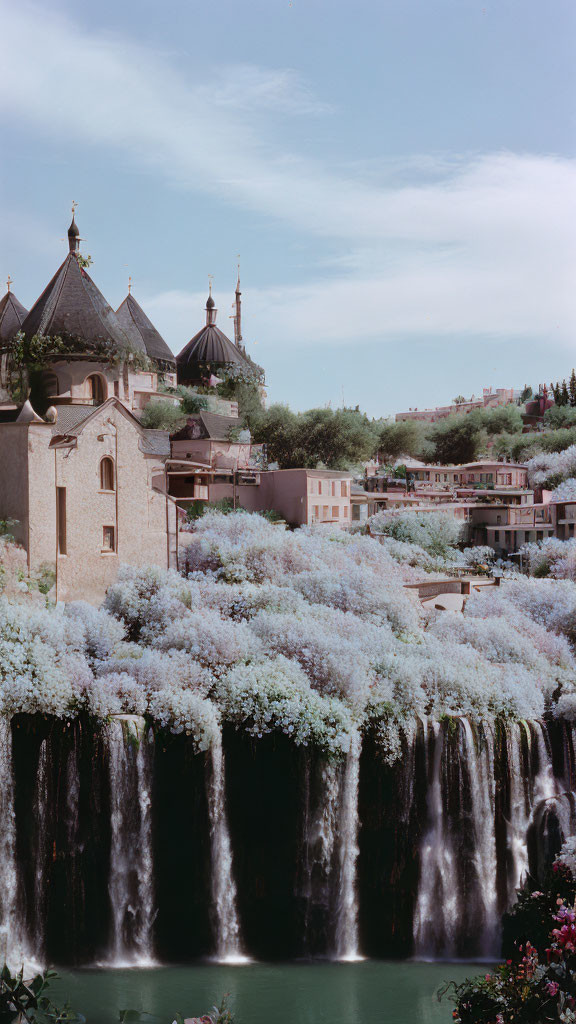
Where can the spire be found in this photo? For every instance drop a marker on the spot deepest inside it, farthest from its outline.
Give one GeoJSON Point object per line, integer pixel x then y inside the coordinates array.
{"type": "Point", "coordinates": [238, 312]}
{"type": "Point", "coordinates": [73, 233]}
{"type": "Point", "coordinates": [211, 310]}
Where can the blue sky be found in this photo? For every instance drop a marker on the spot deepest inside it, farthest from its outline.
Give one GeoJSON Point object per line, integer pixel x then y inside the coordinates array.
{"type": "Point", "coordinates": [398, 177]}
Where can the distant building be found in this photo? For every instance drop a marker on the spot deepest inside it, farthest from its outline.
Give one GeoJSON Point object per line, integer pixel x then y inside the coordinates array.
{"type": "Point", "coordinates": [490, 400]}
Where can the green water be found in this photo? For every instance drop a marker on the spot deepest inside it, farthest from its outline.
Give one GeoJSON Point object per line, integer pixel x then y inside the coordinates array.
{"type": "Point", "coordinates": [362, 993]}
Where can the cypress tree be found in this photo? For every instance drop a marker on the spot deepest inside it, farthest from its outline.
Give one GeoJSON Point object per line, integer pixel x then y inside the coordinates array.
{"type": "Point", "coordinates": [572, 388]}
{"type": "Point", "coordinates": [565, 395]}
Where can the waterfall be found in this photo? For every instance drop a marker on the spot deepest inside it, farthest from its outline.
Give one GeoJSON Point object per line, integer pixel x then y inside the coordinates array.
{"type": "Point", "coordinates": [131, 880]}
{"type": "Point", "coordinates": [41, 852]}
{"type": "Point", "coordinates": [520, 804]}
{"type": "Point", "coordinates": [319, 843]}
{"type": "Point", "coordinates": [437, 903]}
{"type": "Point", "coordinates": [347, 904]}
{"type": "Point", "coordinates": [481, 772]}
{"type": "Point", "coordinates": [227, 925]}
{"type": "Point", "coordinates": [11, 914]}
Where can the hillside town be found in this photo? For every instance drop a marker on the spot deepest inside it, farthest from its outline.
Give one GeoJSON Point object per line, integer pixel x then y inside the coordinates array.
{"type": "Point", "coordinates": [88, 485]}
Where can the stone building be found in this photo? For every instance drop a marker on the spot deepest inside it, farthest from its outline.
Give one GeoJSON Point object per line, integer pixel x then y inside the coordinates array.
{"type": "Point", "coordinates": [87, 493]}
{"type": "Point", "coordinates": [83, 479]}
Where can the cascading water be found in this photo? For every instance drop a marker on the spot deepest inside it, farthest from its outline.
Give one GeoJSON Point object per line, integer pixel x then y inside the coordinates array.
{"type": "Point", "coordinates": [41, 853]}
{"type": "Point", "coordinates": [517, 738]}
{"type": "Point", "coordinates": [225, 913]}
{"type": "Point", "coordinates": [131, 880]}
{"type": "Point", "coordinates": [346, 947]}
{"type": "Point", "coordinates": [437, 907]}
{"type": "Point", "coordinates": [11, 914]}
{"type": "Point", "coordinates": [480, 764]}
{"type": "Point", "coordinates": [319, 843]}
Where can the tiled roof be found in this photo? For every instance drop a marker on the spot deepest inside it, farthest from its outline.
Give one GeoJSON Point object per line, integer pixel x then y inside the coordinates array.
{"type": "Point", "coordinates": [71, 305]}
{"type": "Point", "coordinates": [70, 417]}
{"type": "Point", "coordinates": [12, 316]}
{"type": "Point", "coordinates": [210, 425]}
{"type": "Point", "coordinates": [155, 442]}
{"type": "Point", "coordinates": [133, 319]}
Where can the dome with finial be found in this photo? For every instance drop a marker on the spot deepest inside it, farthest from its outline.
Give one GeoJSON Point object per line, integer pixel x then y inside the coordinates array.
{"type": "Point", "coordinates": [73, 308]}
{"type": "Point", "coordinates": [210, 302]}
{"type": "Point", "coordinates": [209, 349]}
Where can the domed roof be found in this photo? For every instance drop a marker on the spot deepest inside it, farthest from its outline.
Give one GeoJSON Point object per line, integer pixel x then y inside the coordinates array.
{"type": "Point", "coordinates": [210, 302]}
{"type": "Point", "coordinates": [72, 306]}
{"type": "Point", "coordinates": [210, 345]}
{"type": "Point", "coordinates": [133, 319]}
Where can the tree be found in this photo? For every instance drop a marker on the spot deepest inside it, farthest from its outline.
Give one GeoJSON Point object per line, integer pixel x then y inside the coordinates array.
{"type": "Point", "coordinates": [526, 394]}
{"type": "Point", "coordinates": [457, 440]}
{"type": "Point", "coordinates": [459, 400]}
{"type": "Point", "coordinates": [502, 419]}
{"type": "Point", "coordinates": [565, 395]}
{"type": "Point", "coordinates": [572, 388]}
{"type": "Point", "coordinates": [403, 438]}
{"type": "Point", "coordinates": [333, 438]}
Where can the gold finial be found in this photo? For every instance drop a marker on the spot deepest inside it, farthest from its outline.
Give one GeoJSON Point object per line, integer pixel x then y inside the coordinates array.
{"type": "Point", "coordinates": [129, 285]}
{"type": "Point", "coordinates": [210, 279]}
{"type": "Point", "coordinates": [9, 282]}
{"type": "Point", "coordinates": [74, 205]}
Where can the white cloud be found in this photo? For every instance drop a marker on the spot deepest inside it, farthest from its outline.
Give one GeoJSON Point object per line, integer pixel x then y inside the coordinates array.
{"type": "Point", "coordinates": [483, 244]}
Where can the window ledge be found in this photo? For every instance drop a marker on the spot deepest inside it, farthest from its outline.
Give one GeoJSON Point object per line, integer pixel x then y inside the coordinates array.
{"type": "Point", "coordinates": [106, 551]}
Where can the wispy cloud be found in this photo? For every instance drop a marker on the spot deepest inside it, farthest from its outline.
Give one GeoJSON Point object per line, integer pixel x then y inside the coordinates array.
{"type": "Point", "coordinates": [455, 245]}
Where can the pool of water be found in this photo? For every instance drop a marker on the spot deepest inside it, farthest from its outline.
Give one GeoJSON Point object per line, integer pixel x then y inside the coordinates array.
{"type": "Point", "coordinates": [357, 993]}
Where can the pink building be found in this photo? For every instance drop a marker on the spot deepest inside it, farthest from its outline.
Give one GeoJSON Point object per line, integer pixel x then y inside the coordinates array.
{"type": "Point", "coordinates": [213, 458]}
{"type": "Point", "coordinates": [490, 400]}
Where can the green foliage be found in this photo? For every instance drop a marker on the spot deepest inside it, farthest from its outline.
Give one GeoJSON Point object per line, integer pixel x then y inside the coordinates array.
{"type": "Point", "coordinates": [457, 440]}
{"type": "Point", "coordinates": [559, 416]}
{"type": "Point", "coordinates": [162, 415]}
{"type": "Point", "coordinates": [22, 1001]}
{"type": "Point", "coordinates": [196, 509]}
{"type": "Point", "coordinates": [526, 394]}
{"type": "Point", "coordinates": [502, 419]}
{"type": "Point", "coordinates": [402, 438]}
{"type": "Point", "coordinates": [332, 438]}
{"type": "Point", "coordinates": [190, 401]}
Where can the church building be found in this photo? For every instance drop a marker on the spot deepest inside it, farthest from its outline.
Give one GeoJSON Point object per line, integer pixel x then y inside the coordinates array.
{"type": "Point", "coordinates": [84, 481]}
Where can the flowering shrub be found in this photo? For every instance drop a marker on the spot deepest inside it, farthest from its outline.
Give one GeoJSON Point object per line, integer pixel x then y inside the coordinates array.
{"type": "Point", "coordinates": [551, 557]}
{"type": "Point", "coordinates": [537, 983]}
{"type": "Point", "coordinates": [551, 468]}
{"type": "Point", "coordinates": [310, 632]}
{"type": "Point", "coordinates": [435, 532]}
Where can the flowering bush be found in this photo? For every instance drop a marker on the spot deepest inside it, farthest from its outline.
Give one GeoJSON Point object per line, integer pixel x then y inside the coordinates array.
{"type": "Point", "coordinates": [310, 632]}
{"type": "Point", "coordinates": [537, 983]}
{"type": "Point", "coordinates": [435, 532]}
{"type": "Point", "coordinates": [551, 557]}
{"type": "Point", "coordinates": [551, 468]}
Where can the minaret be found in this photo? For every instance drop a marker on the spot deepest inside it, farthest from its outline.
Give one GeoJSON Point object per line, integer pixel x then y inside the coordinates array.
{"type": "Point", "coordinates": [238, 314]}
{"type": "Point", "coordinates": [74, 234]}
{"type": "Point", "coordinates": [211, 310]}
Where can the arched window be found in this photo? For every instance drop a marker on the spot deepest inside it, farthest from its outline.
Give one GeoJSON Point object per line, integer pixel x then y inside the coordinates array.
{"type": "Point", "coordinates": [96, 391]}
{"type": "Point", "coordinates": [107, 474]}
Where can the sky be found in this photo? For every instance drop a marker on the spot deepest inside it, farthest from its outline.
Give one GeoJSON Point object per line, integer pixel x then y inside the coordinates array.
{"type": "Point", "coordinates": [398, 178]}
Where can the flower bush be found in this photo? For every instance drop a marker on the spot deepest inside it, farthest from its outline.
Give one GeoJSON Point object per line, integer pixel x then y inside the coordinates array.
{"type": "Point", "coordinates": [310, 632]}
{"type": "Point", "coordinates": [537, 983]}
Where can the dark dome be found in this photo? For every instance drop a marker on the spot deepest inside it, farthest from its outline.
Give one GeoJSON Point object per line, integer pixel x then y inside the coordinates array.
{"type": "Point", "coordinates": [210, 302]}
{"type": "Point", "coordinates": [73, 231]}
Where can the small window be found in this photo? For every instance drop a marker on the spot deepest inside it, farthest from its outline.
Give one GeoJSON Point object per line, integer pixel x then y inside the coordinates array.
{"type": "Point", "coordinates": [335, 512]}
{"type": "Point", "coordinates": [496, 536]}
{"type": "Point", "coordinates": [107, 474]}
{"type": "Point", "coordinates": [333, 488]}
{"type": "Point", "coordinates": [108, 538]}
{"type": "Point", "coordinates": [117, 389]}
{"type": "Point", "coordinates": [61, 519]}
{"type": "Point", "coordinates": [316, 511]}
{"type": "Point", "coordinates": [343, 489]}
{"type": "Point", "coordinates": [325, 512]}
